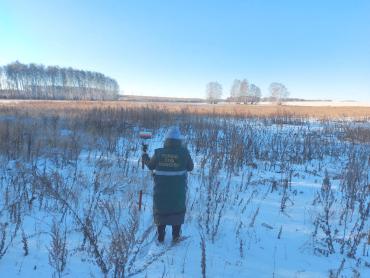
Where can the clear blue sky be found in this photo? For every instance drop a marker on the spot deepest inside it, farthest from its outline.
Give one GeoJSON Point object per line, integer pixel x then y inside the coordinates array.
{"type": "Point", "coordinates": [318, 48]}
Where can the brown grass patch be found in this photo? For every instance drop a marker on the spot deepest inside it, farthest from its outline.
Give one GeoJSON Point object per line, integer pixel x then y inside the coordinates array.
{"type": "Point", "coordinates": [318, 112]}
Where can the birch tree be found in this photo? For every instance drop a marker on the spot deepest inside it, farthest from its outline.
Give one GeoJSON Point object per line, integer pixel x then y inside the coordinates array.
{"type": "Point", "coordinates": [254, 94]}
{"type": "Point", "coordinates": [278, 92]}
{"type": "Point", "coordinates": [39, 82]}
{"type": "Point", "coordinates": [213, 92]}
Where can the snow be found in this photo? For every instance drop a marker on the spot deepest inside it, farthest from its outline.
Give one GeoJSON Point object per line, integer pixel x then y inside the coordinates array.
{"type": "Point", "coordinates": [246, 232]}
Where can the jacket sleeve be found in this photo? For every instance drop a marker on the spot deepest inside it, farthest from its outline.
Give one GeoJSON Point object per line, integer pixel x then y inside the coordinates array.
{"type": "Point", "coordinates": [152, 163]}
{"type": "Point", "coordinates": [189, 163]}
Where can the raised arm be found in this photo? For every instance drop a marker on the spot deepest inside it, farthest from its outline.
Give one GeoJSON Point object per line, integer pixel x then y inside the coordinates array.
{"type": "Point", "coordinates": [151, 163]}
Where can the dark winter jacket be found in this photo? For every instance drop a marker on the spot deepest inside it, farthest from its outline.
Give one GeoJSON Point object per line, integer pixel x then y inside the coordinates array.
{"type": "Point", "coordinates": [171, 164]}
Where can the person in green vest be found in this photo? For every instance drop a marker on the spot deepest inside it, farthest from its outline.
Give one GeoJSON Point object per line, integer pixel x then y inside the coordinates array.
{"type": "Point", "coordinates": [170, 164]}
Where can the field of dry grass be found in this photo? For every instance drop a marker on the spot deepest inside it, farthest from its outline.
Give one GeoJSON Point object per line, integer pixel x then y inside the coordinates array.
{"type": "Point", "coordinates": [263, 110]}
{"type": "Point", "coordinates": [71, 175]}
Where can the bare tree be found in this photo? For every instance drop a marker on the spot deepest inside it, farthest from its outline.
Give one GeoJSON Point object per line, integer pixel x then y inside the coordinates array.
{"type": "Point", "coordinates": [213, 92]}
{"type": "Point", "coordinates": [278, 92]}
{"type": "Point", "coordinates": [235, 90]}
{"type": "Point", "coordinates": [33, 81]}
{"type": "Point", "coordinates": [2, 79]}
{"type": "Point", "coordinates": [241, 91]}
{"type": "Point", "coordinates": [254, 94]}
{"type": "Point", "coordinates": [244, 90]}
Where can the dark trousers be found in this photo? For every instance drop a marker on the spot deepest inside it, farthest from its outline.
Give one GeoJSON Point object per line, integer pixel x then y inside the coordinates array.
{"type": "Point", "coordinates": [162, 230]}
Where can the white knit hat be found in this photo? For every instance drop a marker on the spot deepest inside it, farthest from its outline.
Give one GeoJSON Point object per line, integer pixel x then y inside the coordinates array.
{"type": "Point", "coordinates": [174, 133]}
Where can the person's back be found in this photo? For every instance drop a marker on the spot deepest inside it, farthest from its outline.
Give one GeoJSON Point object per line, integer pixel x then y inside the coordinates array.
{"type": "Point", "coordinates": [170, 165]}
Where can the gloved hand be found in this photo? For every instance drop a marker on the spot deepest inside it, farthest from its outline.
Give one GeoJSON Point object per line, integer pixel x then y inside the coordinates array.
{"type": "Point", "coordinates": [145, 158]}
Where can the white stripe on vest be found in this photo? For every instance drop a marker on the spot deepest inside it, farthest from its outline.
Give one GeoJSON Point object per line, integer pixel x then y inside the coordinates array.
{"type": "Point", "coordinates": [170, 173]}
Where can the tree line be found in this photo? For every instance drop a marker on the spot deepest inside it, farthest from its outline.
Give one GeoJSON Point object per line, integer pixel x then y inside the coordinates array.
{"type": "Point", "coordinates": [242, 91]}
{"type": "Point", "coordinates": [33, 81]}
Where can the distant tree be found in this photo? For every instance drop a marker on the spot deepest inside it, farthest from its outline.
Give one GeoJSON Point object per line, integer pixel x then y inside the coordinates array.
{"type": "Point", "coordinates": [39, 82]}
{"type": "Point", "coordinates": [278, 92]}
{"type": "Point", "coordinates": [213, 92]}
{"type": "Point", "coordinates": [235, 90]}
{"type": "Point", "coordinates": [254, 94]}
{"type": "Point", "coordinates": [244, 90]}
{"type": "Point", "coordinates": [2, 79]}
{"type": "Point", "coordinates": [241, 91]}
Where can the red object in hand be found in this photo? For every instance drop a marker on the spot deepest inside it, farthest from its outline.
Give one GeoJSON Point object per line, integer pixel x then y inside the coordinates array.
{"type": "Point", "coordinates": [145, 134]}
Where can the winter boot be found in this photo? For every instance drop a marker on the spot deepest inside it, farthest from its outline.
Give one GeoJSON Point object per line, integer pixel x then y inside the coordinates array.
{"type": "Point", "coordinates": [161, 232]}
{"type": "Point", "coordinates": [176, 232]}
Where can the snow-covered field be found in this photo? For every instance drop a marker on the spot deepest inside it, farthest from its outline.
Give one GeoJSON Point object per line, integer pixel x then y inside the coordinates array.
{"type": "Point", "coordinates": [268, 197]}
